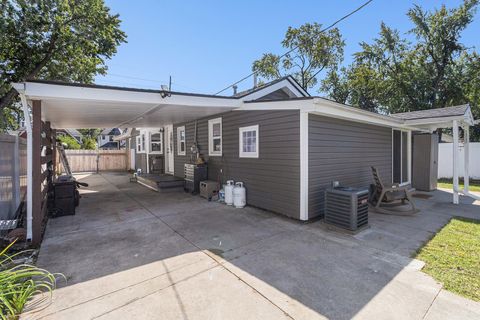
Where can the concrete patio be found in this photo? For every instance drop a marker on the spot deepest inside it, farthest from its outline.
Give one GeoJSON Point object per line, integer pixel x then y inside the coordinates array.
{"type": "Point", "coordinates": [131, 253]}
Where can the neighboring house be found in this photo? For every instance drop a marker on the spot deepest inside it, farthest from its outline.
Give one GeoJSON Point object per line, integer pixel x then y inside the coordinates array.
{"type": "Point", "coordinates": [286, 146]}
{"type": "Point", "coordinates": [106, 139]}
{"type": "Point", "coordinates": [74, 133]}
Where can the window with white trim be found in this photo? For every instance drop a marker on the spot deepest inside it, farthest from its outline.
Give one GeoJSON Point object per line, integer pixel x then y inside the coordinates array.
{"type": "Point", "coordinates": [156, 142]}
{"type": "Point", "coordinates": [248, 142]}
{"type": "Point", "coordinates": [181, 141]}
{"type": "Point", "coordinates": [141, 143]}
{"type": "Point", "coordinates": [215, 137]}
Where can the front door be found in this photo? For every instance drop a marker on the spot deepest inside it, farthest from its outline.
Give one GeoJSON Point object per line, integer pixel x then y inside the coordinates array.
{"type": "Point", "coordinates": [169, 150]}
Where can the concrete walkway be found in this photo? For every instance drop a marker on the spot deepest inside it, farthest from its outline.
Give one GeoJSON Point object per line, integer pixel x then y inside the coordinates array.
{"type": "Point", "coordinates": [131, 253]}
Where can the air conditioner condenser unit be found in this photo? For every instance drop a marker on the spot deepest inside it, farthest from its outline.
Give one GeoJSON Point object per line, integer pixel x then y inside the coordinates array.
{"type": "Point", "coordinates": [346, 208]}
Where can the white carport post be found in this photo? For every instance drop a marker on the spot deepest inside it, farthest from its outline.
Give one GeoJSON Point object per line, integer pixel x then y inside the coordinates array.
{"type": "Point", "coordinates": [466, 154]}
{"type": "Point", "coordinates": [455, 161]}
{"type": "Point", "coordinates": [28, 128]}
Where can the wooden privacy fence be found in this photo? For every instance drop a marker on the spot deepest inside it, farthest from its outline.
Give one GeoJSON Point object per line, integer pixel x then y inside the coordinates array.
{"type": "Point", "coordinates": [93, 160]}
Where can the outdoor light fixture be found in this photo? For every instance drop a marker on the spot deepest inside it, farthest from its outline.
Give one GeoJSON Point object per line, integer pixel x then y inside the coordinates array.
{"type": "Point", "coordinates": [165, 91]}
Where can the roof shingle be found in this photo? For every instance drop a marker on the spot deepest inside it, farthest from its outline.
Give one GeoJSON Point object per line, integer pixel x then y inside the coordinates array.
{"type": "Point", "coordinates": [433, 113]}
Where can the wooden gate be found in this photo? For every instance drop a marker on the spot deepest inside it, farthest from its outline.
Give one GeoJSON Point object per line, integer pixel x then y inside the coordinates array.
{"type": "Point", "coordinates": [93, 160]}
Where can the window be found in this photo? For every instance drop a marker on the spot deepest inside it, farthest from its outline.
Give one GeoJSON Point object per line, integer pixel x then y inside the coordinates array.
{"type": "Point", "coordinates": [156, 142]}
{"type": "Point", "coordinates": [141, 143]}
{"type": "Point", "coordinates": [215, 137]}
{"type": "Point", "coordinates": [248, 142]}
{"type": "Point", "coordinates": [181, 144]}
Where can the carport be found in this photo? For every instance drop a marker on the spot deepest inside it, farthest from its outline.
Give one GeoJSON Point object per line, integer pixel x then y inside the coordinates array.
{"type": "Point", "coordinates": [452, 117]}
{"type": "Point", "coordinates": [50, 105]}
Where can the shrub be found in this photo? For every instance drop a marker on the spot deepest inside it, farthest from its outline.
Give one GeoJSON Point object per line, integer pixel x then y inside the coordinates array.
{"type": "Point", "coordinates": [89, 143]}
{"type": "Point", "coordinates": [70, 142]}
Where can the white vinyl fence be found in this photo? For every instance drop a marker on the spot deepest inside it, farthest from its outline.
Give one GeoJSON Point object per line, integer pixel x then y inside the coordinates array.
{"type": "Point", "coordinates": [445, 160]}
{"type": "Point", "coordinates": [13, 175]}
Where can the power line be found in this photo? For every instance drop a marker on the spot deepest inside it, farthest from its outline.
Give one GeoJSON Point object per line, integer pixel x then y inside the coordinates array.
{"type": "Point", "coordinates": [142, 79]}
{"type": "Point", "coordinates": [296, 47]}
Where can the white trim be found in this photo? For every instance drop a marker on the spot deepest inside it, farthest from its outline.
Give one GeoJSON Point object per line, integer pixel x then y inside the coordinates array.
{"type": "Point", "coordinates": [466, 165]}
{"type": "Point", "coordinates": [244, 154]}
{"type": "Point", "coordinates": [332, 109]}
{"type": "Point", "coordinates": [169, 152]}
{"type": "Point", "coordinates": [304, 166]}
{"type": "Point", "coordinates": [150, 142]}
{"type": "Point", "coordinates": [140, 147]}
{"type": "Point", "coordinates": [285, 83]}
{"type": "Point", "coordinates": [51, 91]}
{"type": "Point", "coordinates": [212, 152]}
{"type": "Point", "coordinates": [28, 128]}
{"type": "Point", "coordinates": [409, 156]}
{"type": "Point", "coordinates": [179, 141]}
{"type": "Point", "coordinates": [455, 161]}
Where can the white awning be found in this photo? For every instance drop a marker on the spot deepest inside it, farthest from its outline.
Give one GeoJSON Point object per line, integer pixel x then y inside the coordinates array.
{"type": "Point", "coordinates": [91, 106]}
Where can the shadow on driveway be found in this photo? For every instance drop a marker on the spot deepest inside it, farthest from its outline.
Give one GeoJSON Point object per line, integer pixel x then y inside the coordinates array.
{"type": "Point", "coordinates": [133, 253]}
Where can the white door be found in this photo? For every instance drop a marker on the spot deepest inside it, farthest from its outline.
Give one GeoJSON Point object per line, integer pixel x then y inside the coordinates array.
{"type": "Point", "coordinates": [169, 150]}
{"type": "Point", "coordinates": [132, 159]}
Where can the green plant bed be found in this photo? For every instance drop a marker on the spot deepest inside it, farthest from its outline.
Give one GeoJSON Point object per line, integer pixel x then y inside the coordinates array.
{"type": "Point", "coordinates": [448, 184]}
{"type": "Point", "coordinates": [452, 257]}
{"type": "Point", "coordinates": [22, 284]}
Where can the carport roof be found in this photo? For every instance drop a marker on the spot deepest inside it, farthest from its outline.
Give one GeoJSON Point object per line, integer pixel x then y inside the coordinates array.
{"type": "Point", "coordinates": [433, 113]}
{"type": "Point", "coordinates": [68, 105]}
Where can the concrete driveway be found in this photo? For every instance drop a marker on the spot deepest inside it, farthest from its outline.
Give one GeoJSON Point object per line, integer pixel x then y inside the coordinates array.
{"type": "Point", "coordinates": [131, 253]}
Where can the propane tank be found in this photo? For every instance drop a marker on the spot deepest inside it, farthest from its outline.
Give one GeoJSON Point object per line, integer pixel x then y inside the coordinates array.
{"type": "Point", "coordinates": [239, 195]}
{"type": "Point", "coordinates": [229, 192]}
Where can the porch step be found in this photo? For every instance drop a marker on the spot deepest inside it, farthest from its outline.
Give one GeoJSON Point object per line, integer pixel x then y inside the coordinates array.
{"type": "Point", "coordinates": [161, 182]}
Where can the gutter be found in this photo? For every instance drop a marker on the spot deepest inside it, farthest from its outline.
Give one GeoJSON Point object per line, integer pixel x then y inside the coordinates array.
{"type": "Point", "coordinates": [20, 88]}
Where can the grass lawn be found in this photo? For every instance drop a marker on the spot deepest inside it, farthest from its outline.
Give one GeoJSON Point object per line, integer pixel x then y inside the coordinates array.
{"type": "Point", "coordinates": [448, 184]}
{"type": "Point", "coordinates": [452, 257]}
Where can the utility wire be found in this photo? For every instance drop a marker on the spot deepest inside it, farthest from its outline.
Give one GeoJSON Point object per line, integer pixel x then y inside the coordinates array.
{"type": "Point", "coordinates": [296, 47]}
{"type": "Point", "coordinates": [115, 75]}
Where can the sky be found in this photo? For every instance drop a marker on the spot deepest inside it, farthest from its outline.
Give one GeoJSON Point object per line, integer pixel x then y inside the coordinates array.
{"type": "Point", "coordinates": [207, 45]}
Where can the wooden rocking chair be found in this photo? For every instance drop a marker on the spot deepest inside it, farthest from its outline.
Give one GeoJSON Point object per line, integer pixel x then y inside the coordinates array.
{"type": "Point", "coordinates": [389, 199]}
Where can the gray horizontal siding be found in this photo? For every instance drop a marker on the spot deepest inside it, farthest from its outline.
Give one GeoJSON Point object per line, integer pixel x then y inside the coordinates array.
{"type": "Point", "coordinates": [273, 180]}
{"type": "Point", "coordinates": [344, 151]}
{"type": "Point", "coordinates": [141, 162]}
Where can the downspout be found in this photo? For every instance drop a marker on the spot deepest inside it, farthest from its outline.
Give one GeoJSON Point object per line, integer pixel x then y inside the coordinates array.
{"type": "Point", "coordinates": [20, 87]}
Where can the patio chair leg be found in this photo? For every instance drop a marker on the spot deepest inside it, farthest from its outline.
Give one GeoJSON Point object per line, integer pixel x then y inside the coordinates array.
{"type": "Point", "coordinates": [379, 200]}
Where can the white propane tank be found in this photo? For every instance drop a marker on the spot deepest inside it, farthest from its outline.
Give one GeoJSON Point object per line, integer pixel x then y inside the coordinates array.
{"type": "Point", "coordinates": [229, 192]}
{"type": "Point", "coordinates": [239, 195]}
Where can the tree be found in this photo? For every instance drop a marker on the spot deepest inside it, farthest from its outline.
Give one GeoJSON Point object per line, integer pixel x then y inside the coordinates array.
{"type": "Point", "coordinates": [313, 51]}
{"type": "Point", "coordinates": [89, 143]}
{"type": "Point", "coordinates": [69, 142]}
{"type": "Point", "coordinates": [90, 133]}
{"type": "Point", "coordinates": [65, 40]}
{"type": "Point", "coordinates": [435, 70]}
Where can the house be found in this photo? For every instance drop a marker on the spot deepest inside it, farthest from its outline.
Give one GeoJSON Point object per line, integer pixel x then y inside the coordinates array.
{"type": "Point", "coordinates": [74, 133]}
{"type": "Point", "coordinates": [285, 145]}
{"type": "Point", "coordinates": [281, 141]}
{"type": "Point", "coordinates": [105, 139]}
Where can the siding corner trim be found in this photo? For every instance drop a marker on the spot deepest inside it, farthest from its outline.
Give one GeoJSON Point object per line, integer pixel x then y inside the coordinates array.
{"type": "Point", "coordinates": [304, 165]}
